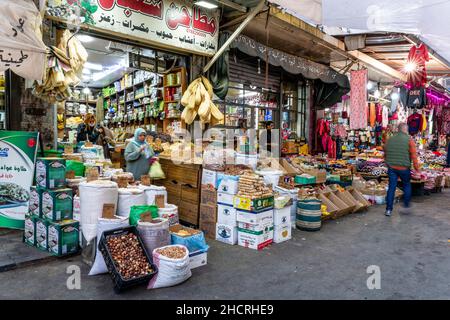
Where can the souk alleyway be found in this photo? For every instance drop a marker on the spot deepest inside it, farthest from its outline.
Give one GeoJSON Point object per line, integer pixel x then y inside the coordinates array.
{"type": "Point", "coordinates": [413, 253]}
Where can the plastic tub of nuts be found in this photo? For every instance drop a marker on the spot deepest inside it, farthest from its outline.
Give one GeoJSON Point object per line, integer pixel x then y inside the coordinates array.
{"type": "Point", "coordinates": [129, 264]}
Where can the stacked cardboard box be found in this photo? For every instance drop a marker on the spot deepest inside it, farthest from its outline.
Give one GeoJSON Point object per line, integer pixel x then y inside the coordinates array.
{"type": "Point", "coordinates": [48, 224]}
{"type": "Point", "coordinates": [208, 203]}
{"type": "Point", "coordinates": [282, 222]}
{"type": "Point", "coordinates": [226, 228]}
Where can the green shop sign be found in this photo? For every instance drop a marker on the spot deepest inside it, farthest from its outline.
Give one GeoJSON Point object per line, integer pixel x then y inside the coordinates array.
{"type": "Point", "coordinates": [17, 158]}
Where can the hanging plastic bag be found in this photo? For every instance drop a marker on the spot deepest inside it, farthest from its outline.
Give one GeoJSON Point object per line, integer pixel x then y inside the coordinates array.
{"type": "Point", "coordinates": [137, 211]}
{"type": "Point", "coordinates": [156, 171]}
{"type": "Point", "coordinates": [170, 271]}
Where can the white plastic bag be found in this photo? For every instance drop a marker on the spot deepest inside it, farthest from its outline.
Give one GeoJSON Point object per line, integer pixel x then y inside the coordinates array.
{"type": "Point", "coordinates": [154, 234]}
{"type": "Point", "coordinates": [93, 195]}
{"type": "Point", "coordinates": [129, 197]}
{"type": "Point", "coordinates": [170, 271]}
{"type": "Point", "coordinates": [99, 265]}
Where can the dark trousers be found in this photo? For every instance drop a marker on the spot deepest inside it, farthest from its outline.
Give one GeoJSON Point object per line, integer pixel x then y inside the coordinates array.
{"type": "Point", "coordinates": [405, 177]}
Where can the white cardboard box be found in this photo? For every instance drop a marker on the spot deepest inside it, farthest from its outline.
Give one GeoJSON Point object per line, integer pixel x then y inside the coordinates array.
{"type": "Point", "coordinates": [282, 232]}
{"type": "Point", "coordinates": [225, 198]}
{"type": "Point", "coordinates": [198, 259]}
{"type": "Point", "coordinates": [281, 216]}
{"type": "Point", "coordinates": [264, 217]}
{"type": "Point", "coordinates": [226, 215]}
{"type": "Point", "coordinates": [250, 239]}
{"type": "Point", "coordinates": [227, 183]}
{"type": "Point", "coordinates": [256, 227]}
{"type": "Point", "coordinates": [209, 177]}
{"type": "Point", "coordinates": [226, 233]}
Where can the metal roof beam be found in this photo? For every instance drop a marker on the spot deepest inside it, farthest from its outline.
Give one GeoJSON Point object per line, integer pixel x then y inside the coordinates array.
{"type": "Point", "coordinates": [233, 5]}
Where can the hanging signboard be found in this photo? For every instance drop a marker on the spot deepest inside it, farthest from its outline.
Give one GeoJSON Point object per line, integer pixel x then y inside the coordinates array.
{"type": "Point", "coordinates": [174, 23]}
{"type": "Point", "coordinates": [22, 49]}
{"type": "Point", "coordinates": [17, 159]}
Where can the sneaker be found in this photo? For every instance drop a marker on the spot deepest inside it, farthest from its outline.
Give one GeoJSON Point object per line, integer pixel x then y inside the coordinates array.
{"type": "Point", "coordinates": [406, 210]}
{"type": "Point", "coordinates": [388, 213]}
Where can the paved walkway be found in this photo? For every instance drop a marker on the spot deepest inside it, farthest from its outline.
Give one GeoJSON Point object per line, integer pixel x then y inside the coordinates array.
{"type": "Point", "coordinates": [413, 253]}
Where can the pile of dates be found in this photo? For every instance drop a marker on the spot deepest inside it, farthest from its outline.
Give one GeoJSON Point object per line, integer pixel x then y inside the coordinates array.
{"type": "Point", "coordinates": [128, 256]}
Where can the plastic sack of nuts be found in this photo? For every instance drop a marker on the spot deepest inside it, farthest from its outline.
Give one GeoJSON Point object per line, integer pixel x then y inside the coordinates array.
{"type": "Point", "coordinates": [154, 234]}
{"type": "Point", "coordinates": [173, 266]}
{"type": "Point", "coordinates": [99, 265]}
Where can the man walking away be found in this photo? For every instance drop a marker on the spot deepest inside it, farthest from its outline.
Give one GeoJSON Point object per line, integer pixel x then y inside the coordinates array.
{"type": "Point", "coordinates": [400, 151]}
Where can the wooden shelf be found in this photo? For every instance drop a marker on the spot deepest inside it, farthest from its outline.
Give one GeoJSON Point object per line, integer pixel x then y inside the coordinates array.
{"type": "Point", "coordinates": [173, 101]}
{"type": "Point", "coordinates": [174, 86]}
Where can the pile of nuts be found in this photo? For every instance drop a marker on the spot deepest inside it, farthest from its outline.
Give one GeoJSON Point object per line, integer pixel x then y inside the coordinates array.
{"type": "Point", "coordinates": [236, 170]}
{"type": "Point", "coordinates": [172, 252]}
{"type": "Point", "coordinates": [128, 256]}
{"type": "Point", "coordinates": [252, 186]}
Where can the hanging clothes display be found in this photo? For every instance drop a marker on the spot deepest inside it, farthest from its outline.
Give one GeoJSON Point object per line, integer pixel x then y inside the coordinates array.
{"type": "Point", "coordinates": [395, 99]}
{"type": "Point", "coordinates": [372, 114]}
{"type": "Point", "coordinates": [379, 113]}
{"type": "Point", "coordinates": [358, 99]}
{"type": "Point", "coordinates": [418, 55]}
{"type": "Point", "coordinates": [385, 117]}
{"type": "Point", "coordinates": [446, 121]}
{"type": "Point", "coordinates": [417, 98]}
{"type": "Point", "coordinates": [414, 123]}
{"type": "Point", "coordinates": [402, 114]}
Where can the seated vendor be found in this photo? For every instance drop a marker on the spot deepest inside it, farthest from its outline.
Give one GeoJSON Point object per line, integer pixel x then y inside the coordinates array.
{"type": "Point", "coordinates": [303, 149]}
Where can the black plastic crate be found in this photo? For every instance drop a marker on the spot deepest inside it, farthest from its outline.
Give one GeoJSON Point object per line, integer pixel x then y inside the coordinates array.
{"type": "Point", "coordinates": [120, 283]}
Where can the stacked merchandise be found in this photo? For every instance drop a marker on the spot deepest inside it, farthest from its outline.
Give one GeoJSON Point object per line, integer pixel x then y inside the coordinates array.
{"type": "Point", "coordinates": [49, 224]}
{"type": "Point", "coordinates": [208, 203]}
{"type": "Point", "coordinates": [254, 210]}
{"type": "Point", "coordinates": [227, 188]}
{"type": "Point", "coordinates": [282, 218]}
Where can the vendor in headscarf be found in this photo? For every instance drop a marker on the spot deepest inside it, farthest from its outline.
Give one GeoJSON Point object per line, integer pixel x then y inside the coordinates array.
{"type": "Point", "coordinates": [138, 154]}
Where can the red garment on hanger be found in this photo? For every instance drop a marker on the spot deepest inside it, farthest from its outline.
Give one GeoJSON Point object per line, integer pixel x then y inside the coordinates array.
{"type": "Point", "coordinates": [419, 56]}
{"type": "Point", "coordinates": [379, 113]}
{"type": "Point", "coordinates": [331, 145]}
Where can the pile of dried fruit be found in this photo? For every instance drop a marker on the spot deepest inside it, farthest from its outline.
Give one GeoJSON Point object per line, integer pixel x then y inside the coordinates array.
{"type": "Point", "coordinates": [172, 252]}
{"type": "Point", "coordinates": [237, 169]}
{"type": "Point", "coordinates": [128, 256]}
{"type": "Point", "coordinates": [252, 186]}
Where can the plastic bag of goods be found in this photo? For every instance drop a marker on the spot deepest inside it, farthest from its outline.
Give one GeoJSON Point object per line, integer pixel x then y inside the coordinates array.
{"type": "Point", "coordinates": [152, 191]}
{"type": "Point", "coordinates": [156, 171]}
{"type": "Point", "coordinates": [193, 239]}
{"type": "Point", "coordinates": [76, 208]}
{"type": "Point", "coordinates": [99, 265]}
{"type": "Point", "coordinates": [170, 212]}
{"type": "Point", "coordinates": [76, 166]}
{"type": "Point", "coordinates": [154, 234]}
{"type": "Point", "coordinates": [137, 211]}
{"type": "Point", "coordinates": [173, 266]}
{"type": "Point", "coordinates": [270, 176]}
{"type": "Point", "coordinates": [129, 197]}
{"type": "Point", "coordinates": [127, 175]}
{"type": "Point", "coordinates": [93, 195]}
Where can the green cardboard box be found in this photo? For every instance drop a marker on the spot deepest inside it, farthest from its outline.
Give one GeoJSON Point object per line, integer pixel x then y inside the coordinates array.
{"type": "Point", "coordinates": [50, 173]}
{"type": "Point", "coordinates": [57, 205]}
{"type": "Point", "coordinates": [63, 237]}
{"type": "Point", "coordinates": [35, 202]}
{"type": "Point", "coordinates": [42, 234]}
{"type": "Point", "coordinates": [29, 233]}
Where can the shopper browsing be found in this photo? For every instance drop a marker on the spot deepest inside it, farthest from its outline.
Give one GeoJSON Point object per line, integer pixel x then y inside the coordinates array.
{"type": "Point", "coordinates": [400, 151]}
{"type": "Point", "coordinates": [138, 154]}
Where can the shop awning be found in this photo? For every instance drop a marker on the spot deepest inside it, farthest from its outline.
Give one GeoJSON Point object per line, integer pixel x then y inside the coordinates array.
{"type": "Point", "coordinates": [289, 62]}
{"type": "Point", "coordinates": [22, 49]}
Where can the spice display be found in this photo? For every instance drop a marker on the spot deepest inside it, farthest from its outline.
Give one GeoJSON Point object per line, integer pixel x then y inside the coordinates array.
{"type": "Point", "coordinates": [172, 252]}
{"type": "Point", "coordinates": [128, 256]}
{"type": "Point", "coordinates": [252, 186]}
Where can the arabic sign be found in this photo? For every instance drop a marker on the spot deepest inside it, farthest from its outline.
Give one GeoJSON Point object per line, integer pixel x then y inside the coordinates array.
{"type": "Point", "coordinates": [17, 158]}
{"type": "Point", "coordinates": [21, 49]}
{"type": "Point", "coordinates": [175, 23]}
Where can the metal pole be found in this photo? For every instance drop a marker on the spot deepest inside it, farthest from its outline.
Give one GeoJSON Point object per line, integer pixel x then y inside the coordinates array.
{"type": "Point", "coordinates": [251, 15]}
{"type": "Point", "coordinates": [232, 5]}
